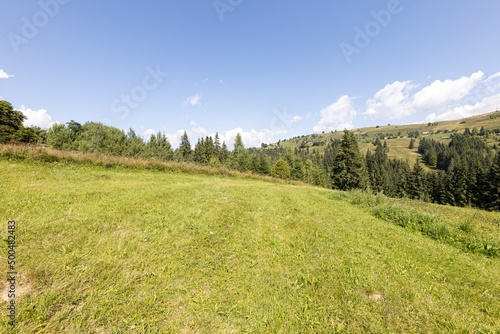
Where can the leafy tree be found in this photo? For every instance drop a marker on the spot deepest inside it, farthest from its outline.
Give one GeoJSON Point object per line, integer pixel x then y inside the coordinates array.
{"type": "Point", "coordinates": [349, 167]}
{"type": "Point", "coordinates": [281, 169]}
{"type": "Point", "coordinates": [99, 138]}
{"type": "Point", "coordinates": [30, 135]}
{"type": "Point", "coordinates": [59, 137]}
{"type": "Point", "coordinates": [11, 121]}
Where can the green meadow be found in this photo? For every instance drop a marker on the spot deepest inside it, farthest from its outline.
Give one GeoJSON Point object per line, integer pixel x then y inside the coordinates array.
{"type": "Point", "coordinates": [117, 249]}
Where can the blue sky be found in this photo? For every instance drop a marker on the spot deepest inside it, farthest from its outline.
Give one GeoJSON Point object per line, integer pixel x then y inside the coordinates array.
{"type": "Point", "coordinates": [268, 69]}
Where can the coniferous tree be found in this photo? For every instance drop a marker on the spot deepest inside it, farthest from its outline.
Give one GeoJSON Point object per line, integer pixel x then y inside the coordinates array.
{"type": "Point", "coordinates": [417, 185]}
{"type": "Point", "coordinates": [349, 170]}
{"type": "Point", "coordinates": [412, 144]}
{"type": "Point", "coordinates": [494, 185]}
{"type": "Point", "coordinates": [224, 153]}
{"type": "Point", "coordinates": [185, 148]}
{"type": "Point", "coordinates": [459, 185]}
{"type": "Point", "coordinates": [239, 158]}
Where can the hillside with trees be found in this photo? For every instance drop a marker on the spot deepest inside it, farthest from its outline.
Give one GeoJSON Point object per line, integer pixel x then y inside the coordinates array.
{"type": "Point", "coordinates": [452, 167]}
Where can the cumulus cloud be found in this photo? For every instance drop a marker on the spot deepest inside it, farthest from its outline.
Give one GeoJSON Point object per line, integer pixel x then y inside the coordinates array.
{"type": "Point", "coordinates": [443, 93]}
{"type": "Point", "coordinates": [194, 132]}
{"type": "Point", "coordinates": [148, 133]}
{"type": "Point", "coordinates": [392, 101]}
{"type": "Point", "coordinates": [38, 117]}
{"type": "Point", "coordinates": [337, 116]}
{"type": "Point", "coordinates": [193, 100]}
{"type": "Point", "coordinates": [438, 101]}
{"type": "Point", "coordinates": [253, 138]}
{"type": "Point", "coordinates": [196, 129]}
{"type": "Point", "coordinates": [4, 75]}
{"type": "Point", "coordinates": [294, 120]}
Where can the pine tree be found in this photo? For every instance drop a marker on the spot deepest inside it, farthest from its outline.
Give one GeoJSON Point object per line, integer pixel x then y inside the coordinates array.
{"type": "Point", "coordinates": [185, 147]}
{"type": "Point", "coordinates": [309, 168]}
{"type": "Point", "coordinates": [412, 144]}
{"type": "Point", "coordinates": [217, 145]}
{"type": "Point", "coordinates": [494, 185]}
{"type": "Point", "coordinates": [224, 153]}
{"type": "Point", "coordinates": [349, 170]}
{"type": "Point", "coordinates": [240, 159]}
{"type": "Point", "coordinates": [417, 186]}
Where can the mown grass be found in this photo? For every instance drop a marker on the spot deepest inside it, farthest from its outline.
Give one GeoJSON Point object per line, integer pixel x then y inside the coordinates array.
{"type": "Point", "coordinates": [121, 250]}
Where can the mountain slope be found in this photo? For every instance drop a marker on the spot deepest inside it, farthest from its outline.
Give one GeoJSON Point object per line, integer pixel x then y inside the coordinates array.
{"type": "Point", "coordinates": [397, 135]}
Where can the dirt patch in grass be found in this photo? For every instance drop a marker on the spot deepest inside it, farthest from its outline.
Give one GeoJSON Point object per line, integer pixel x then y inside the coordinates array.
{"type": "Point", "coordinates": [23, 286]}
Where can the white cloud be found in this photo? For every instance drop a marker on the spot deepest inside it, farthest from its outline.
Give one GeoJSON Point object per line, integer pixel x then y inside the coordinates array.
{"type": "Point", "coordinates": [148, 133]}
{"type": "Point", "coordinates": [337, 116]}
{"type": "Point", "coordinates": [4, 75]}
{"type": "Point", "coordinates": [486, 104]}
{"type": "Point", "coordinates": [294, 120]}
{"type": "Point", "coordinates": [193, 133]}
{"type": "Point", "coordinates": [392, 101]}
{"type": "Point", "coordinates": [37, 117]}
{"type": "Point", "coordinates": [443, 93]}
{"type": "Point", "coordinates": [193, 100]}
{"type": "Point", "coordinates": [196, 129]}
{"type": "Point", "coordinates": [481, 97]}
{"type": "Point", "coordinates": [439, 101]}
{"type": "Point", "coordinates": [252, 138]}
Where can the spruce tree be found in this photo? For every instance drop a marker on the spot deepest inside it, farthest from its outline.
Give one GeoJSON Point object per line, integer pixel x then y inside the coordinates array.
{"type": "Point", "coordinates": [417, 181]}
{"type": "Point", "coordinates": [349, 170]}
{"type": "Point", "coordinates": [185, 147]}
{"type": "Point", "coordinates": [494, 185]}
{"type": "Point", "coordinates": [412, 144]}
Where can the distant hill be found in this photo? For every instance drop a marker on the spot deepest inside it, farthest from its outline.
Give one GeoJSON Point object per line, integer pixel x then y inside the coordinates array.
{"type": "Point", "coordinates": [398, 136]}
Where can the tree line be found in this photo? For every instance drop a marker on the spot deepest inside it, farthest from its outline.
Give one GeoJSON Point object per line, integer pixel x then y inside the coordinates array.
{"type": "Point", "coordinates": [464, 172]}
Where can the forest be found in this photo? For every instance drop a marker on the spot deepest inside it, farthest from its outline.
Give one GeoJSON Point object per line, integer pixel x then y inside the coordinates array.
{"type": "Point", "coordinates": [465, 172]}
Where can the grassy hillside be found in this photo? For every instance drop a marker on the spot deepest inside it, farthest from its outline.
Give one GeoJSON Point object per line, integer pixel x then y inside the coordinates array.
{"type": "Point", "coordinates": [397, 135]}
{"type": "Point", "coordinates": [120, 250]}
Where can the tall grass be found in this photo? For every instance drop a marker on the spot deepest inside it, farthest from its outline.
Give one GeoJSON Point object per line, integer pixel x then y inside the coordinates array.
{"type": "Point", "coordinates": [44, 154]}
{"type": "Point", "coordinates": [460, 234]}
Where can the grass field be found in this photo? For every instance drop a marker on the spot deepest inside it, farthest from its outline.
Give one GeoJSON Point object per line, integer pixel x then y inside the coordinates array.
{"type": "Point", "coordinates": [130, 250]}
